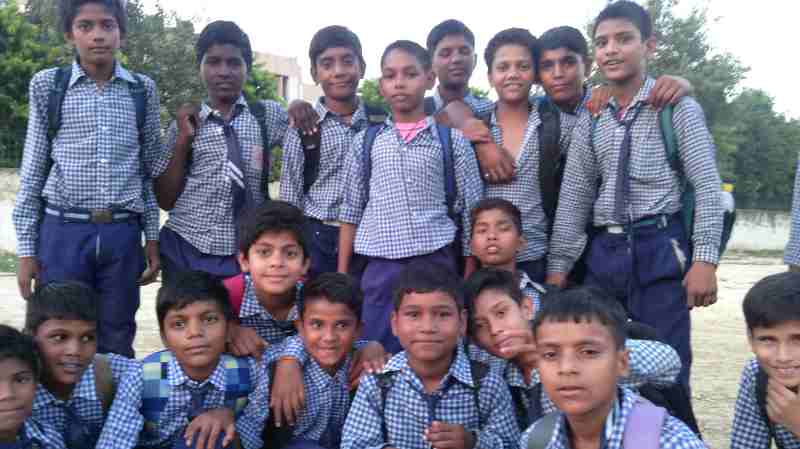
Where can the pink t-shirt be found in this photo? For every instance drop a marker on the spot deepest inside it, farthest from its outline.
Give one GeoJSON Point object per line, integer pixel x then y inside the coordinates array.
{"type": "Point", "coordinates": [409, 130]}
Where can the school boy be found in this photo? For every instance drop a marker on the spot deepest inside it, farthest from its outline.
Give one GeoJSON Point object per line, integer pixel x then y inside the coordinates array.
{"type": "Point", "coordinates": [86, 191]}
{"type": "Point", "coordinates": [617, 173]}
{"type": "Point", "coordinates": [396, 208]}
{"type": "Point", "coordinates": [430, 395]}
{"type": "Point", "coordinates": [580, 338]}
{"type": "Point", "coordinates": [192, 393]}
{"type": "Point", "coordinates": [311, 177]}
{"type": "Point", "coordinates": [213, 166]}
{"type": "Point", "coordinates": [77, 386]}
{"type": "Point", "coordinates": [19, 371]}
{"type": "Point", "coordinates": [767, 404]}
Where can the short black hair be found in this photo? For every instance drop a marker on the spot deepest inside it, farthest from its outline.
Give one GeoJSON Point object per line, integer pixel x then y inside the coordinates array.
{"type": "Point", "coordinates": [223, 32]}
{"type": "Point", "coordinates": [422, 277]}
{"type": "Point", "coordinates": [61, 300]}
{"type": "Point", "coordinates": [490, 279]}
{"type": "Point", "coordinates": [630, 11]}
{"type": "Point", "coordinates": [336, 288]}
{"type": "Point", "coordinates": [563, 37]}
{"type": "Point", "coordinates": [585, 304]}
{"type": "Point", "coordinates": [511, 36]}
{"type": "Point", "coordinates": [500, 204]}
{"type": "Point", "coordinates": [68, 10]}
{"type": "Point", "coordinates": [450, 27]}
{"type": "Point", "coordinates": [772, 301]}
{"type": "Point", "coordinates": [16, 345]}
{"type": "Point", "coordinates": [271, 216]}
{"type": "Point", "coordinates": [412, 48]}
{"type": "Point", "coordinates": [335, 36]}
{"type": "Point", "coordinates": [190, 287]}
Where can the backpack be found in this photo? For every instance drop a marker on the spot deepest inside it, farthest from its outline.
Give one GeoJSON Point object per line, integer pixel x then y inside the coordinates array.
{"type": "Point", "coordinates": [157, 390]}
{"type": "Point", "coordinates": [761, 399]}
{"type": "Point", "coordinates": [551, 159]}
{"type": "Point", "coordinates": [259, 111]}
{"type": "Point", "coordinates": [312, 147]}
{"type": "Point", "coordinates": [236, 287]}
{"type": "Point", "coordinates": [385, 382]}
{"type": "Point", "coordinates": [104, 382]}
{"type": "Point", "coordinates": [429, 105]}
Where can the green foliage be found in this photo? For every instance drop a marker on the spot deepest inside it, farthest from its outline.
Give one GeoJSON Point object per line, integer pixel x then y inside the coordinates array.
{"type": "Point", "coordinates": [477, 92]}
{"type": "Point", "coordinates": [371, 95]}
{"type": "Point", "coordinates": [262, 85]}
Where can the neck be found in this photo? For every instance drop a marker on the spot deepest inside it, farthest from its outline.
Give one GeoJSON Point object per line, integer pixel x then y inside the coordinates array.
{"type": "Point", "coordinates": [200, 373]}
{"type": "Point", "coordinates": [431, 373]}
{"type": "Point", "coordinates": [59, 390]}
{"type": "Point", "coordinates": [100, 73]}
{"type": "Point", "coordinates": [513, 110]}
{"type": "Point", "coordinates": [572, 104]}
{"type": "Point", "coordinates": [510, 266]}
{"type": "Point", "coordinates": [223, 105]}
{"type": "Point", "coordinates": [277, 305]}
{"type": "Point", "coordinates": [409, 117]}
{"type": "Point", "coordinates": [452, 93]}
{"type": "Point", "coordinates": [342, 107]}
{"type": "Point", "coordinates": [9, 436]}
{"type": "Point", "coordinates": [587, 430]}
{"type": "Point", "coordinates": [624, 91]}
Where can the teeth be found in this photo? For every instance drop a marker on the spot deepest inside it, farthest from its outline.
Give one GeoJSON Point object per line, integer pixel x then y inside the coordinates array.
{"type": "Point", "coordinates": [787, 371]}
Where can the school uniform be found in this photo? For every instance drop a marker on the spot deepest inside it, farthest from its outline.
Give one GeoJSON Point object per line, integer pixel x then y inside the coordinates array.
{"type": "Point", "coordinates": [750, 429]}
{"type": "Point", "coordinates": [321, 202]}
{"type": "Point", "coordinates": [408, 410]}
{"type": "Point", "coordinates": [403, 217]}
{"type": "Point", "coordinates": [643, 263]}
{"type": "Point", "coordinates": [674, 434]}
{"type": "Point", "coordinates": [36, 434]}
{"type": "Point", "coordinates": [80, 418]}
{"type": "Point", "coordinates": [481, 107]}
{"type": "Point", "coordinates": [531, 290]}
{"type": "Point", "coordinates": [792, 253]}
{"type": "Point", "coordinates": [127, 426]}
{"type": "Point", "coordinates": [83, 204]}
{"type": "Point", "coordinates": [223, 179]}
{"type": "Point", "coordinates": [255, 316]}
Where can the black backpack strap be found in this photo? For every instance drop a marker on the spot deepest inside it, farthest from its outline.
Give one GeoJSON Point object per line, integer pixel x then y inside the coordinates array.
{"type": "Point", "coordinates": [278, 437]}
{"type": "Point", "coordinates": [385, 381]}
{"type": "Point", "coordinates": [429, 105]}
{"type": "Point", "coordinates": [443, 134]}
{"type": "Point", "coordinates": [139, 96]}
{"type": "Point", "coordinates": [259, 111]}
{"type": "Point", "coordinates": [366, 154]}
{"type": "Point", "coordinates": [479, 371]}
{"type": "Point", "coordinates": [55, 100]}
{"type": "Point", "coordinates": [761, 399]}
{"type": "Point", "coordinates": [375, 115]}
{"type": "Point", "coordinates": [311, 155]}
{"type": "Point", "coordinates": [551, 159]}
{"type": "Point", "coordinates": [542, 433]}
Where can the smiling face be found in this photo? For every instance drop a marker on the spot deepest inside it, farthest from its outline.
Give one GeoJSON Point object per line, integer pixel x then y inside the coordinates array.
{"type": "Point", "coordinates": [620, 51]}
{"type": "Point", "coordinates": [17, 390]}
{"type": "Point", "coordinates": [328, 330]}
{"type": "Point", "coordinates": [495, 312]}
{"type": "Point", "coordinates": [67, 348]}
{"type": "Point", "coordinates": [403, 83]}
{"type": "Point", "coordinates": [95, 34]}
{"type": "Point", "coordinates": [224, 72]}
{"type": "Point", "coordinates": [512, 73]}
{"type": "Point", "coordinates": [338, 70]}
{"type": "Point", "coordinates": [777, 349]}
{"type": "Point", "coordinates": [453, 61]}
{"type": "Point", "coordinates": [275, 262]}
{"type": "Point", "coordinates": [196, 335]}
{"type": "Point", "coordinates": [428, 326]}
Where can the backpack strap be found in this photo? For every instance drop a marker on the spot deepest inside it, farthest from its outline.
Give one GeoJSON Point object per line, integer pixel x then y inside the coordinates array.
{"type": "Point", "coordinates": [366, 154]}
{"type": "Point", "coordinates": [429, 105]}
{"type": "Point", "coordinates": [542, 431]}
{"type": "Point", "coordinates": [643, 427]}
{"type": "Point", "coordinates": [551, 159]}
{"type": "Point", "coordinates": [104, 381]}
{"type": "Point", "coordinates": [385, 381]}
{"type": "Point", "coordinates": [55, 99]}
{"type": "Point", "coordinates": [375, 115]}
{"type": "Point", "coordinates": [235, 286]}
{"type": "Point", "coordinates": [139, 96]}
{"type": "Point", "coordinates": [478, 371]}
{"type": "Point", "coordinates": [259, 111]}
{"type": "Point", "coordinates": [443, 134]}
{"type": "Point", "coordinates": [669, 137]}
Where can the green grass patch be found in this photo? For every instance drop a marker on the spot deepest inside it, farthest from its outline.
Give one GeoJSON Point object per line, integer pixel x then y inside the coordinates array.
{"type": "Point", "coordinates": [767, 253]}
{"type": "Point", "coordinates": [8, 262]}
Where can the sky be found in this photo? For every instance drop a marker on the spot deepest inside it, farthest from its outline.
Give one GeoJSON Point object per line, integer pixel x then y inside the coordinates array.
{"type": "Point", "coordinates": [758, 33]}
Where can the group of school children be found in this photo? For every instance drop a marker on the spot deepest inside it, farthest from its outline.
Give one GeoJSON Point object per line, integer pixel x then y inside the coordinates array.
{"type": "Point", "coordinates": [394, 298]}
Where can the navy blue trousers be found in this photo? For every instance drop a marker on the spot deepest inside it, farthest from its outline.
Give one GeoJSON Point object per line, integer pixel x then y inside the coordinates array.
{"type": "Point", "coordinates": [178, 255]}
{"type": "Point", "coordinates": [645, 273]}
{"type": "Point", "coordinates": [322, 242]}
{"type": "Point", "coordinates": [109, 258]}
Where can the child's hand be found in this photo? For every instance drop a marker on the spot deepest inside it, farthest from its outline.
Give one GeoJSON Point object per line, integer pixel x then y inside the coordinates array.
{"type": "Point", "coordinates": [476, 131]}
{"type": "Point", "coordinates": [669, 90]}
{"type": "Point", "coordinates": [153, 258]}
{"type": "Point", "coordinates": [27, 273]}
{"type": "Point", "coordinates": [368, 360]}
{"type": "Point", "coordinates": [783, 406]}
{"type": "Point", "coordinates": [442, 435]}
{"type": "Point", "coordinates": [701, 285]}
{"type": "Point", "coordinates": [598, 100]}
{"type": "Point", "coordinates": [497, 166]}
{"type": "Point", "coordinates": [208, 426]}
{"type": "Point", "coordinates": [302, 116]}
{"type": "Point", "coordinates": [187, 120]}
{"type": "Point", "coordinates": [244, 341]}
{"type": "Point", "coordinates": [288, 392]}
{"type": "Point", "coordinates": [556, 279]}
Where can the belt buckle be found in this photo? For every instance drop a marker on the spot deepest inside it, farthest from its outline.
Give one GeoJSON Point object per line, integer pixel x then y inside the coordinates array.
{"type": "Point", "coordinates": [101, 216]}
{"type": "Point", "coordinates": [615, 229]}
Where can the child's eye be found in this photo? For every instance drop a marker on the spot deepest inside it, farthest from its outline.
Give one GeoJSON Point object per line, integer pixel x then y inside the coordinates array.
{"type": "Point", "coordinates": [87, 338]}
{"type": "Point", "coordinates": [292, 253]}
{"type": "Point", "coordinates": [549, 355]}
{"type": "Point", "coordinates": [316, 325]}
{"type": "Point", "coordinates": [590, 352]}
{"type": "Point", "coordinates": [57, 338]}
{"type": "Point", "coordinates": [211, 319]}
{"type": "Point", "coordinates": [24, 379]}
{"type": "Point", "coordinates": [263, 252]}
{"type": "Point", "coordinates": [178, 324]}
{"type": "Point", "coordinates": [412, 314]}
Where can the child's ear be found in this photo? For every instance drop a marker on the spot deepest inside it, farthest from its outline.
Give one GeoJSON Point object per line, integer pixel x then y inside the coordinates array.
{"type": "Point", "coordinates": [650, 46]}
{"type": "Point", "coordinates": [314, 73]}
{"type": "Point", "coordinates": [430, 79]}
{"type": "Point", "coordinates": [393, 322]}
{"type": "Point", "coordinates": [624, 366]}
{"type": "Point", "coordinates": [527, 308]}
{"type": "Point", "coordinates": [521, 242]}
{"type": "Point", "coordinates": [298, 324]}
{"type": "Point", "coordinates": [244, 264]}
{"type": "Point", "coordinates": [306, 265]}
{"type": "Point", "coordinates": [462, 327]}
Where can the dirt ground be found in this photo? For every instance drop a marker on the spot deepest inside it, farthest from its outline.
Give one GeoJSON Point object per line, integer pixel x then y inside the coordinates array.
{"type": "Point", "coordinates": [719, 340]}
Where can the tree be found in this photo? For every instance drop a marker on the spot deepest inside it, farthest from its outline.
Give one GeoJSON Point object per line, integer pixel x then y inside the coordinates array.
{"type": "Point", "coordinates": [371, 95]}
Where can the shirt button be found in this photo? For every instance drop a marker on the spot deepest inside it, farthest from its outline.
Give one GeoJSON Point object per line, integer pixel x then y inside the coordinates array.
{"type": "Point", "coordinates": [103, 161]}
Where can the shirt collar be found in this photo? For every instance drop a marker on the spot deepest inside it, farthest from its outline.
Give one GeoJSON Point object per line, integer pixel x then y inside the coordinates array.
{"type": "Point", "coordinates": [637, 100]}
{"type": "Point", "coordinates": [119, 72]}
{"type": "Point", "coordinates": [251, 306]}
{"type": "Point", "coordinates": [459, 367]}
{"type": "Point", "coordinates": [84, 389]}
{"type": "Point", "coordinates": [206, 110]}
{"type": "Point", "coordinates": [323, 112]}
{"type": "Point", "coordinates": [176, 376]}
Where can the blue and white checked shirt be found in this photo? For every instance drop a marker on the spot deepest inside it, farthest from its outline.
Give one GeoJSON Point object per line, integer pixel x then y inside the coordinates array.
{"type": "Point", "coordinates": [406, 212]}
{"type": "Point", "coordinates": [655, 188]}
{"type": "Point", "coordinates": [530, 289]}
{"type": "Point", "coordinates": [203, 213]}
{"type": "Point", "coordinates": [325, 196]}
{"type": "Point", "coordinates": [749, 429]}
{"type": "Point", "coordinates": [255, 316]}
{"type": "Point", "coordinates": [125, 421]}
{"type": "Point", "coordinates": [674, 433]}
{"type": "Point", "coordinates": [481, 107]}
{"type": "Point", "coordinates": [407, 413]}
{"type": "Point", "coordinates": [42, 433]}
{"type": "Point", "coordinates": [792, 254]}
{"type": "Point", "coordinates": [88, 406]}
{"type": "Point", "coordinates": [97, 161]}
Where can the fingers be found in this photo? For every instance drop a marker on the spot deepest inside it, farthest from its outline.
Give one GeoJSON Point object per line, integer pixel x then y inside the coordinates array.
{"type": "Point", "coordinates": [25, 285]}
{"type": "Point", "coordinates": [356, 370]}
{"type": "Point", "coordinates": [213, 435]}
{"type": "Point", "coordinates": [230, 434]}
{"type": "Point", "coordinates": [148, 276]}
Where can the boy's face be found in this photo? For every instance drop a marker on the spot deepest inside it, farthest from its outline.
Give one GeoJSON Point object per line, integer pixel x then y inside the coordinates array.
{"type": "Point", "coordinates": [196, 336]}
{"type": "Point", "coordinates": [777, 349]}
{"type": "Point", "coordinates": [17, 390]}
{"type": "Point", "coordinates": [494, 313]}
{"type": "Point", "coordinates": [404, 81]}
{"type": "Point", "coordinates": [428, 325]}
{"type": "Point", "coordinates": [328, 330]}
{"type": "Point", "coordinates": [453, 61]}
{"type": "Point", "coordinates": [512, 73]}
{"type": "Point", "coordinates": [562, 73]}
{"type": "Point", "coordinates": [579, 365]}
{"type": "Point", "coordinates": [67, 348]}
{"type": "Point", "coordinates": [224, 72]}
{"type": "Point", "coordinates": [620, 51]}
{"type": "Point", "coordinates": [275, 262]}
{"type": "Point", "coordinates": [95, 34]}
{"type": "Point", "coordinates": [495, 238]}
{"type": "Point", "coordinates": [337, 70]}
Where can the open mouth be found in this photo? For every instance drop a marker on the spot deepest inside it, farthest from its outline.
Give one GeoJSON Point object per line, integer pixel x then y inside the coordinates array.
{"type": "Point", "coordinates": [72, 368]}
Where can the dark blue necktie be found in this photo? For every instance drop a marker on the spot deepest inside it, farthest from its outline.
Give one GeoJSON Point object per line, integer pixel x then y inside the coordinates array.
{"type": "Point", "coordinates": [235, 167]}
{"type": "Point", "coordinates": [77, 434]}
{"type": "Point", "coordinates": [622, 190]}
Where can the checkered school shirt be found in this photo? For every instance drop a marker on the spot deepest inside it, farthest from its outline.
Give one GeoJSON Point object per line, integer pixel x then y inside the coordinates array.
{"type": "Point", "coordinates": [407, 412]}
{"type": "Point", "coordinates": [125, 421]}
{"type": "Point", "coordinates": [749, 429]}
{"type": "Point", "coordinates": [481, 107]}
{"type": "Point", "coordinates": [674, 433]}
{"type": "Point", "coordinates": [255, 316]}
{"type": "Point", "coordinates": [203, 213]}
{"type": "Point", "coordinates": [97, 161]}
{"type": "Point", "coordinates": [325, 196]}
{"type": "Point", "coordinates": [792, 255]}
{"type": "Point", "coordinates": [42, 433]}
{"type": "Point", "coordinates": [84, 400]}
{"type": "Point", "coordinates": [655, 188]}
{"type": "Point", "coordinates": [406, 214]}
{"type": "Point", "coordinates": [530, 289]}
{"type": "Point", "coordinates": [569, 119]}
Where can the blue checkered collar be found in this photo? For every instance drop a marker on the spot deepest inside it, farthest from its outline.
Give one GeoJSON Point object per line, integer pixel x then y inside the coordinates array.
{"type": "Point", "coordinates": [638, 100]}
{"type": "Point", "coordinates": [32, 430]}
{"type": "Point", "coordinates": [119, 72]}
{"type": "Point", "coordinates": [85, 389]}
{"type": "Point", "coordinates": [324, 113]}
{"type": "Point", "coordinates": [459, 368]}
{"type": "Point", "coordinates": [322, 376]}
{"type": "Point", "coordinates": [251, 306]}
{"type": "Point", "coordinates": [206, 110]}
{"type": "Point", "coordinates": [177, 377]}
{"type": "Point", "coordinates": [514, 377]}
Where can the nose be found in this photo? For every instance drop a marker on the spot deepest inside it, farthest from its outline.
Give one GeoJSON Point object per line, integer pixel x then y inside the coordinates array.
{"type": "Point", "coordinates": [194, 329]}
{"type": "Point", "coordinates": [277, 259]}
{"type": "Point", "coordinates": [428, 324]}
{"type": "Point", "coordinates": [6, 392]}
{"type": "Point", "coordinates": [558, 70]}
{"type": "Point", "coordinates": [72, 346]}
{"type": "Point", "coordinates": [784, 353]}
{"type": "Point", "coordinates": [567, 364]}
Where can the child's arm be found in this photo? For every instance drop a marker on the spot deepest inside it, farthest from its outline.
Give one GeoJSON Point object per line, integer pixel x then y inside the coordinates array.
{"type": "Point", "coordinates": [468, 183]}
{"type": "Point", "coordinates": [347, 239]}
{"type": "Point", "coordinates": [749, 430]}
{"type": "Point", "coordinates": [124, 422]}
{"type": "Point", "coordinates": [651, 362]}
{"type": "Point", "coordinates": [244, 341]}
{"type": "Point", "coordinates": [362, 428]}
{"type": "Point", "coordinates": [500, 428]}
{"type": "Point", "coordinates": [277, 124]}
{"type": "Point", "coordinates": [170, 172]}
{"type": "Point", "coordinates": [292, 169]}
{"type": "Point", "coordinates": [354, 201]}
{"type": "Point", "coordinates": [151, 153]}
{"type": "Point", "coordinates": [303, 117]}
{"type": "Point", "coordinates": [667, 90]}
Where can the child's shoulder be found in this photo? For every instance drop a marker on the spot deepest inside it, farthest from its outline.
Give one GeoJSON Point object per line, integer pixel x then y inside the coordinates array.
{"type": "Point", "coordinates": [44, 80]}
{"type": "Point", "coordinates": [677, 435]}
{"type": "Point", "coordinates": [44, 433]}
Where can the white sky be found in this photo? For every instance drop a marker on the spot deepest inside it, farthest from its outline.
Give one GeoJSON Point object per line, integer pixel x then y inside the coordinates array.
{"type": "Point", "coordinates": [758, 33]}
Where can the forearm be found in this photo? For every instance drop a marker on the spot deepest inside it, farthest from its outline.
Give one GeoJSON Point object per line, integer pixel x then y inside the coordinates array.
{"type": "Point", "coordinates": [169, 185]}
{"type": "Point", "coordinates": [347, 237]}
